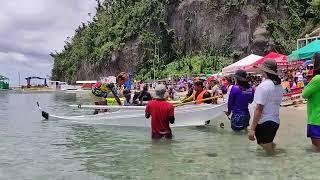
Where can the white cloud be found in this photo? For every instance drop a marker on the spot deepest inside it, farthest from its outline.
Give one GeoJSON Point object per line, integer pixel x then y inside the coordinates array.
{"type": "Point", "coordinates": [13, 56]}
{"type": "Point", "coordinates": [31, 29]}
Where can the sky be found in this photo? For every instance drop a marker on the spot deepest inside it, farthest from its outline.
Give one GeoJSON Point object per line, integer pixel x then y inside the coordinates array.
{"type": "Point", "coordinates": [31, 29]}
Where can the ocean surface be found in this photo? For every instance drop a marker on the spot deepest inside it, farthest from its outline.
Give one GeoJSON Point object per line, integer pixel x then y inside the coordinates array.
{"type": "Point", "coordinates": [34, 148]}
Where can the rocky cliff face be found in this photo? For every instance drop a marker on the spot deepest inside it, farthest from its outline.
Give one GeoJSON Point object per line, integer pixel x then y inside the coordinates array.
{"type": "Point", "coordinates": [126, 59]}
{"type": "Point", "coordinates": [199, 25]}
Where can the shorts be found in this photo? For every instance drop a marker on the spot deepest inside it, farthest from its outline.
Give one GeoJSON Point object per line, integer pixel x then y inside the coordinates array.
{"type": "Point", "coordinates": [240, 121]}
{"type": "Point", "coordinates": [159, 136]}
{"type": "Point", "coordinates": [313, 131]}
{"type": "Point", "coordinates": [266, 132]}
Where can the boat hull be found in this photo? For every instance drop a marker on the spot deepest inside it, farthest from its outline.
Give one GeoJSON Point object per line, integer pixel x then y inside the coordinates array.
{"type": "Point", "coordinates": [189, 115]}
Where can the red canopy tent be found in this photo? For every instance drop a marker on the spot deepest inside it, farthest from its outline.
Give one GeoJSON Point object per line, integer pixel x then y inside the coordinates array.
{"type": "Point", "coordinates": [279, 58]}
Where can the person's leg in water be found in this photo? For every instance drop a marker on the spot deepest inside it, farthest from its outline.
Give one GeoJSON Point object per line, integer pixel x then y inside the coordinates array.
{"type": "Point", "coordinates": [316, 144]}
{"type": "Point", "coordinates": [265, 134]}
{"type": "Point", "coordinates": [269, 147]}
{"type": "Point", "coordinates": [102, 103]}
{"type": "Point", "coordinates": [240, 121]}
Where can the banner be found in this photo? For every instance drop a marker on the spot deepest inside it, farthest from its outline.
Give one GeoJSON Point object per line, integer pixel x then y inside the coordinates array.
{"type": "Point", "coordinates": [290, 98]}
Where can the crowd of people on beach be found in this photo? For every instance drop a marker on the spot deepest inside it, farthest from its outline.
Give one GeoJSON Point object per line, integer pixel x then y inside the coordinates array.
{"type": "Point", "coordinates": [265, 91]}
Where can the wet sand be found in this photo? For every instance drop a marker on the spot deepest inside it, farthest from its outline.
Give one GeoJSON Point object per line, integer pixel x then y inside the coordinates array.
{"type": "Point", "coordinates": [293, 123]}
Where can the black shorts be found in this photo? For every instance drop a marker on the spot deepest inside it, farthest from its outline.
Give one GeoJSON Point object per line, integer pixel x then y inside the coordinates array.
{"type": "Point", "coordinates": [266, 132]}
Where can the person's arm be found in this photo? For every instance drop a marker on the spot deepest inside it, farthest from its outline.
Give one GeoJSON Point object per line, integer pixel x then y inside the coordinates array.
{"type": "Point", "coordinates": [141, 97]}
{"type": "Point", "coordinates": [147, 115]}
{"type": "Point", "coordinates": [231, 100]}
{"type": "Point", "coordinates": [256, 116]}
{"type": "Point", "coordinates": [251, 99]}
{"type": "Point", "coordinates": [114, 91]}
{"type": "Point", "coordinates": [147, 112]}
{"type": "Point", "coordinates": [206, 96]}
{"type": "Point", "coordinates": [188, 99]}
{"type": "Point", "coordinates": [312, 87]}
{"type": "Point", "coordinates": [261, 97]}
{"type": "Point", "coordinates": [171, 115]}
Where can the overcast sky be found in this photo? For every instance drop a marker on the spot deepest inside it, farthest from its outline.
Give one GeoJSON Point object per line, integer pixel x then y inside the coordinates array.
{"type": "Point", "coordinates": [31, 29]}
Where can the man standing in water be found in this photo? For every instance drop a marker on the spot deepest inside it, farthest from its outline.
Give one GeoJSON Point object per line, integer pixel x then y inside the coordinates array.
{"type": "Point", "coordinates": [102, 90]}
{"type": "Point", "coordinates": [162, 113]}
{"type": "Point", "coordinates": [267, 97]}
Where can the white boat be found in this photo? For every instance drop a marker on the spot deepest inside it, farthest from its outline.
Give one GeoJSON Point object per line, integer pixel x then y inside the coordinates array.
{"type": "Point", "coordinates": [188, 115]}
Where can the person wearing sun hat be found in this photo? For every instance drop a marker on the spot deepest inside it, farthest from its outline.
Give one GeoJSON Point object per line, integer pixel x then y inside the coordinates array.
{"type": "Point", "coordinates": [161, 112]}
{"type": "Point", "coordinates": [241, 95]}
{"type": "Point", "coordinates": [267, 97]}
{"type": "Point", "coordinates": [312, 94]}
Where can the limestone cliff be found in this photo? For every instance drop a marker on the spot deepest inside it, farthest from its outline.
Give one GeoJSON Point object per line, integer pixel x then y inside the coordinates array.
{"type": "Point", "coordinates": [189, 27]}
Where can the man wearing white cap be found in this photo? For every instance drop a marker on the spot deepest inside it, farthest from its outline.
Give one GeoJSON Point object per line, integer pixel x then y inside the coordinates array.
{"type": "Point", "coordinates": [162, 113]}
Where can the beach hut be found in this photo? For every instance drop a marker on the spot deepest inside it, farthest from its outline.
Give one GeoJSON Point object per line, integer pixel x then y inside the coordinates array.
{"type": "Point", "coordinates": [231, 69]}
{"type": "Point", "coordinates": [306, 52]}
{"type": "Point", "coordinates": [4, 82]}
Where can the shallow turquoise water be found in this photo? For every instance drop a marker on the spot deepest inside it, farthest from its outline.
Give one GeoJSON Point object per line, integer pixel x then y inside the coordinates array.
{"type": "Point", "coordinates": [33, 148]}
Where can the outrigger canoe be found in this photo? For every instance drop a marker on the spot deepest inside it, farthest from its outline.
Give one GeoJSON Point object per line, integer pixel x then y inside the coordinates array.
{"type": "Point", "coordinates": [187, 115]}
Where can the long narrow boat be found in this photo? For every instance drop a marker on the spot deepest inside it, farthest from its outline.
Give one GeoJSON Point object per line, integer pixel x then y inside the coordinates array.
{"type": "Point", "coordinates": [188, 115]}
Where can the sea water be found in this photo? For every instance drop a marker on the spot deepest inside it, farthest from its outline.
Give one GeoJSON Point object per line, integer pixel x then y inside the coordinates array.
{"type": "Point", "coordinates": [34, 148]}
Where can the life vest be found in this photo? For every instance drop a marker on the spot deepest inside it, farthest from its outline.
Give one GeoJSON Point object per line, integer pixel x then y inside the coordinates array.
{"type": "Point", "coordinates": [199, 97]}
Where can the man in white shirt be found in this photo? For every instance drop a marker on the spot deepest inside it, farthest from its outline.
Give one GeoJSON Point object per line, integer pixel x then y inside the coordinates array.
{"type": "Point", "coordinates": [268, 97]}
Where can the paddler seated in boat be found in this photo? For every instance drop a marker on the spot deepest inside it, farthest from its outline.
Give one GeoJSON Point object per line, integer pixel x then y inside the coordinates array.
{"type": "Point", "coordinates": [102, 89]}
{"type": "Point", "coordinates": [172, 93]}
{"type": "Point", "coordinates": [215, 89]}
{"type": "Point", "coordinates": [162, 113]}
{"type": "Point", "coordinates": [199, 93]}
{"type": "Point", "coordinates": [144, 95]}
{"type": "Point", "coordinates": [127, 95]}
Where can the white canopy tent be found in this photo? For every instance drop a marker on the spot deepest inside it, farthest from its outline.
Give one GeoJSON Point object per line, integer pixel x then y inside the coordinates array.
{"type": "Point", "coordinates": [231, 69]}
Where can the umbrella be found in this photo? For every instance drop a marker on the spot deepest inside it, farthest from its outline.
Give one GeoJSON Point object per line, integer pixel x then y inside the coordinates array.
{"type": "Point", "coordinates": [307, 63]}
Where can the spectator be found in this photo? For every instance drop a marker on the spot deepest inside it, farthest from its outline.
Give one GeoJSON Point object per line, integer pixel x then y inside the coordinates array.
{"type": "Point", "coordinates": [268, 97]}
{"type": "Point", "coordinates": [241, 95]}
{"type": "Point", "coordinates": [312, 94]}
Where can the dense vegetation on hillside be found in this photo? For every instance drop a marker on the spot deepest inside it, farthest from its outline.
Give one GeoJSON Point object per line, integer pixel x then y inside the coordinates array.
{"type": "Point", "coordinates": [118, 21]}
{"type": "Point", "coordinates": [304, 16]}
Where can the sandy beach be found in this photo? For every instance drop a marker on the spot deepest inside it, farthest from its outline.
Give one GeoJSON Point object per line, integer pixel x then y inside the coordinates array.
{"type": "Point", "coordinates": [293, 125]}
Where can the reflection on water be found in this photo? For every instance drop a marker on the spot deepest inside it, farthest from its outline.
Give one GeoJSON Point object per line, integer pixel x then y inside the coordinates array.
{"type": "Point", "coordinates": [36, 149]}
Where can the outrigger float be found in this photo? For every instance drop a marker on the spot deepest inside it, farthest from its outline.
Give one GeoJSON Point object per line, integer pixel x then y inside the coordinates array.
{"type": "Point", "coordinates": [185, 114]}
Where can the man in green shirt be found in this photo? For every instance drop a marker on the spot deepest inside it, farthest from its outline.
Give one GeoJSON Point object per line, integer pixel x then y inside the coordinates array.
{"type": "Point", "coordinates": [312, 94]}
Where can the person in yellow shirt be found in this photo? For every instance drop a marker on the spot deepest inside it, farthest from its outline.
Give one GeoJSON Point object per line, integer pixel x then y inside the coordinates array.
{"type": "Point", "coordinates": [102, 90]}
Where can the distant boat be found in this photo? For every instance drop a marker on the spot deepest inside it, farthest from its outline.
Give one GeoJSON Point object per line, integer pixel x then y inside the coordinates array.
{"type": "Point", "coordinates": [4, 83]}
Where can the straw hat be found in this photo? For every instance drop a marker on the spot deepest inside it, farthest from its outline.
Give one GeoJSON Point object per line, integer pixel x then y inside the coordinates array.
{"type": "Point", "coordinates": [269, 66]}
{"type": "Point", "coordinates": [160, 91]}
